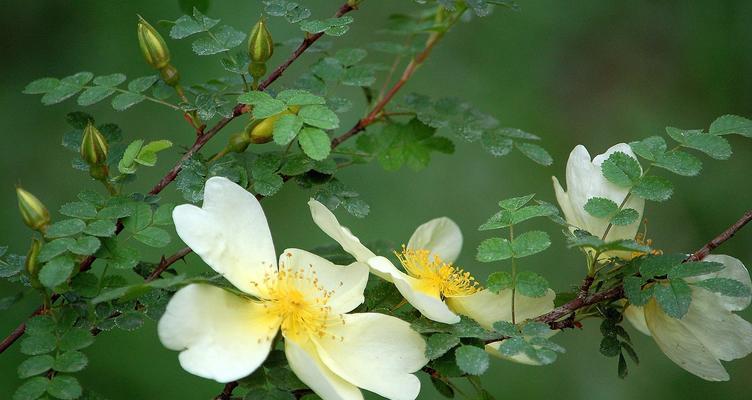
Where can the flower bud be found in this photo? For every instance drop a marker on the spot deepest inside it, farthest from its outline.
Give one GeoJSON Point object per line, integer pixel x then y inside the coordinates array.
{"type": "Point", "coordinates": [35, 215]}
{"type": "Point", "coordinates": [262, 131]}
{"type": "Point", "coordinates": [152, 45]}
{"type": "Point", "coordinates": [93, 146]}
{"type": "Point", "coordinates": [32, 267]}
{"type": "Point", "coordinates": [170, 75]}
{"type": "Point", "coordinates": [260, 43]}
{"type": "Point", "coordinates": [238, 142]}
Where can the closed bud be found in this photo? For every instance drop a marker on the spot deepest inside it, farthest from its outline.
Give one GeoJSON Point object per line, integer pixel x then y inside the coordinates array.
{"type": "Point", "coordinates": [238, 142]}
{"type": "Point", "coordinates": [170, 75]}
{"type": "Point", "coordinates": [93, 146]}
{"type": "Point", "coordinates": [262, 131]}
{"type": "Point", "coordinates": [152, 45]}
{"type": "Point", "coordinates": [260, 44]}
{"type": "Point", "coordinates": [32, 266]}
{"type": "Point", "coordinates": [35, 215]}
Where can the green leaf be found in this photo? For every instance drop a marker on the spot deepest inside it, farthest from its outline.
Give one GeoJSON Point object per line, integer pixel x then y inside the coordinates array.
{"type": "Point", "coordinates": [531, 284]}
{"type": "Point", "coordinates": [130, 321]}
{"type": "Point", "coordinates": [655, 188]}
{"type": "Point", "coordinates": [79, 210]}
{"type": "Point", "coordinates": [163, 214]}
{"type": "Point", "coordinates": [67, 87]}
{"type": "Point", "coordinates": [85, 245]}
{"type": "Point", "coordinates": [139, 85]}
{"type": "Point", "coordinates": [40, 325]}
{"type": "Point", "coordinates": [649, 148]}
{"type": "Point", "coordinates": [64, 387]}
{"type": "Point", "coordinates": [442, 387]}
{"type": "Point", "coordinates": [496, 143]}
{"type": "Point", "coordinates": [472, 360]}
{"type": "Point", "coordinates": [674, 297]}
{"type": "Point", "coordinates": [267, 185]}
{"type": "Point", "coordinates": [515, 203]}
{"type": "Point", "coordinates": [41, 86]}
{"type": "Point", "coordinates": [33, 345]}
{"type": "Point", "coordinates": [222, 39]}
{"type": "Point", "coordinates": [286, 128]}
{"type": "Point", "coordinates": [56, 271]}
{"type": "Point", "coordinates": [610, 346]}
{"type": "Point", "coordinates": [153, 236]}
{"type": "Point", "coordinates": [350, 57]}
{"type": "Point", "coordinates": [724, 286]}
{"type": "Point", "coordinates": [530, 243]}
{"type": "Point", "coordinates": [728, 124]}
{"type": "Point", "coordinates": [76, 339]}
{"type": "Point", "coordinates": [126, 100]}
{"type": "Point", "coordinates": [680, 163]}
{"type": "Point", "coordinates": [494, 249]}
{"type": "Point", "coordinates": [360, 75]}
{"type": "Point", "coordinates": [328, 69]}
{"type": "Point", "coordinates": [625, 216]}
{"type": "Point", "coordinates": [126, 165]}
{"type": "Point", "coordinates": [535, 328]}
{"type": "Point", "coordinates": [621, 169]}
{"type": "Point", "coordinates": [71, 361]}
{"type": "Point", "coordinates": [315, 143]}
{"type": "Point", "coordinates": [35, 366]}
{"type": "Point", "coordinates": [67, 227]}
{"type": "Point", "coordinates": [694, 268]}
{"type": "Point", "coordinates": [101, 228]}
{"type": "Point", "coordinates": [439, 343]}
{"type": "Point", "coordinates": [535, 153]}
{"type": "Point", "coordinates": [110, 80]}
{"type": "Point", "coordinates": [633, 291]}
{"type": "Point", "coordinates": [94, 95]}
{"type": "Point", "coordinates": [715, 146]}
{"type": "Point", "coordinates": [660, 265]}
{"type": "Point", "coordinates": [297, 97]}
{"type": "Point", "coordinates": [499, 281]}
{"type": "Point", "coordinates": [601, 207]}
{"type": "Point", "coordinates": [506, 328]}
{"type": "Point", "coordinates": [319, 116]}
{"type": "Point", "coordinates": [31, 389]}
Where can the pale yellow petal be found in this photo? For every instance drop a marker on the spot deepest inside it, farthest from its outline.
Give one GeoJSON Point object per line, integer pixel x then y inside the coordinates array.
{"type": "Point", "coordinates": [430, 305]}
{"type": "Point", "coordinates": [636, 316]}
{"type": "Point", "coordinates": [441, 236]}
{"type": "Point", "coordinates": [487, 307]}
{"type": "Point", "coordinates": [733, 269]}
{"type": "Point", "coordinates": [328, 223]}
{"type": "Point", "coordinates": [307, 365]}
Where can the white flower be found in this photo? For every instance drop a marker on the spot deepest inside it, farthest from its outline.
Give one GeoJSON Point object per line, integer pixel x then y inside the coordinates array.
{"type": "Point", "coordinates": [224, 336]}
{"type": "Point", "coordinates": [709, 332]}
{"type": "Point", "coordinates": [432, 284]}
{"type": "Point", "coordinates": [584, 181]}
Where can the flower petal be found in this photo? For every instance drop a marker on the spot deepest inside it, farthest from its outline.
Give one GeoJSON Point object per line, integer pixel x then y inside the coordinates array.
{"type": "Point", "coordinates": [383, 268]}
{"type": "Point", "coordinates": [221, 336]}
{"type": "Point", "coordinates": [487, 307]}
{"type": "Point", "coordinates": [681, 346]}
{"type": "Point", "coordinates": [328, 223]}
{"type": "Point", "coordinates": [376, 352]}
{"type": "Point", "coordinates": [733, 269]}
{"type": "Point", "coordinates": [562, 197]}
{"type": "Point", "coordinates": [229, 233]}
{"type": "Point", "coordinates": [636, 316]}
{"type": "Point", "coordinates": [432, 307]}
{"type": "Point", "coordinates": [441, 236]}
{"type": "Point", "coordinates": [346, 283]}
{"type": "Point", "coordinates": [307, 365]}
{"type": "Point", "coordinates": [522, 358]}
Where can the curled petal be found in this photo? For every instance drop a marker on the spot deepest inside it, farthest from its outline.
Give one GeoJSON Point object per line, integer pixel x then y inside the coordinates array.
{"type": "Point", "coordinates": [328, 223]}
{"type": "Point", "coordinates": [307, 365]}
{"type": "Point", "coordinates": [441, 236]}
{"type": "Point", "coordinates": [376, 352]}
{"type": "Point", "coordinates": [229, 232]}
{"type": "Point", "coordinates": [636, 316]}
{"type": "Point", "coordinates": [220, 336]}
{"type": "Point", "coordinates": [345, 283]}
{"type": "Point", "coordinates": [430, 305]}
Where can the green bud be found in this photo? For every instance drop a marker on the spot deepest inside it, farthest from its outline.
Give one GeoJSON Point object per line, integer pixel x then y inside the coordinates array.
{"type": "Point", "coordinates": [152, 45]}
{"type": "Point", "coordinates": [35, 215]}
{"type": "Point", "coordinates": [32, 267]}
{"type": "Point", "coordinates": [238, 142]}
{"type": "Point", "coordinates": [353, 3]}
{"type": "Point", "coordinates": [260, 43]}
{"type": "Point", "coordinates": [170, 75]}
{"type": "Point", "coordinates": [262, 132]}
{"type": "Point", "coordinates": [93, 146]}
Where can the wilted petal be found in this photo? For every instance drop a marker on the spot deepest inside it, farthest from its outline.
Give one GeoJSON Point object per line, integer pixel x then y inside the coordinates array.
{"type": "Point", "coordinates": [307, 365]}
{"type": "Point", "coordinates": [441, 236]}
{"type": "Point", "coordinates": [328, 223]}
{"type": "Point", "coordinates": [221, 336]}
{"type": "Point", "coordinates": [376, 352]}
{"type": "Point", "coordinates": [345, 283]}
{"type": "Point", "coordinates": [229, 233]}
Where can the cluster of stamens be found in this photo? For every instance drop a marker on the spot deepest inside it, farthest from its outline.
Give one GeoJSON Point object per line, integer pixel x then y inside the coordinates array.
{"type": "Point", "coordinates": [641, 238]}
{"type": "Point", "coordinates": [436, 275]}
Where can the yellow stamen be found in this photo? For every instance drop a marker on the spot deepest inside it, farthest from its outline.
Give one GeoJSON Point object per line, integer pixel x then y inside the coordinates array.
{"type": "Point", "coordinates": [641, 238]}
{"type": "Point", "coordinates": [436, 276]}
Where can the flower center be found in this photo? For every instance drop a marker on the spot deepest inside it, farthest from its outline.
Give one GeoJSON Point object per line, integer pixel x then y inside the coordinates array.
{"type": "Point", "coordinates": [297, 298]}
{"type": "Point", "coordinates": [437, 277]}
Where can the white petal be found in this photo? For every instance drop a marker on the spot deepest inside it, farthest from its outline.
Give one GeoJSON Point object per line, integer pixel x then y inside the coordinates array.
{"type": "Point", "coordinates": [681, 346]}
{"type": "Point", "coordinates": [229, 232]}
{"type": "Point", "coordinates": [486, 307]}
{"type": "Point", "coordinates": [572, 217]}
{"type": "Point", "coordinates": [431, 306]}
{"type": "Point", "coordinates": [307, 365]}
{"type": "Point", "coordinates": [383, 268]}
{"type": "Point", "coordinates": [329, 224]}
{"type": "Point", "coordinates": [636, 316]}
{"type": "Point", "coordinates": [726, 335]}
{"type": "Point", "coordinates": [346, 283]}
{"type": "Point", "coordinates": [733, 269]}
{"type": "Point", "coordinates": [441, 236]}
{"type": "Point", "coordinates": [221, 336]}
{"type": "Point", "coordinates": [376, 352]}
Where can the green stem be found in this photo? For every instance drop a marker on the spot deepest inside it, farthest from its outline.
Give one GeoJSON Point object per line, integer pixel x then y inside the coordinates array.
{"type": "Point", "coordinates": [514, 272]}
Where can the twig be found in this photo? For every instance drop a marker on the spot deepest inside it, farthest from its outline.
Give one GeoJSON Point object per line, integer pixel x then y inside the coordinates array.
{"type": "Point", "coordinates": [724, 236]}
{"type": "Point", "coordinates": [167, 262]}
{"type": "Point", "coordinates": [227, 391]}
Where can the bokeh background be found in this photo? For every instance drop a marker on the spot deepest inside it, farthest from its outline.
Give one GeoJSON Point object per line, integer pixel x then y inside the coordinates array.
{"type": "Point", "coordinates": [589, 72]}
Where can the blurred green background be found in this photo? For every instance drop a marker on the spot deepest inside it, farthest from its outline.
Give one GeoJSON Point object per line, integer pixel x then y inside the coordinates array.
{"type": "Point", "coordinates": [589, 72]}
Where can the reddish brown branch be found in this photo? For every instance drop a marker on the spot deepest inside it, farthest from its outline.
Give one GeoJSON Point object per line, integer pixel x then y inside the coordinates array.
{"type": "Point", "coordinates": [167, 262]}
{"type": "Point", "coordinates": [724, 236]}
{"type": "Point", "coordinates": [227, 391]}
